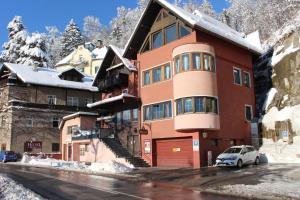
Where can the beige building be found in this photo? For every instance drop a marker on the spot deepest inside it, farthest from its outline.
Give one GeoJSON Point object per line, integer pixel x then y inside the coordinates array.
{"type": "Point", "coordinates": [87, 58]}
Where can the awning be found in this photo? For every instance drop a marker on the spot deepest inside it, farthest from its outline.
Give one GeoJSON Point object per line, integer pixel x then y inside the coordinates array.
{"type": "Point", "coordinates": [117, 103]}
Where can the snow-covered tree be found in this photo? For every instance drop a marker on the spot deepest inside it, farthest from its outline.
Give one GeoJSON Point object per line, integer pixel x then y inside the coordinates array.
{"type": "Point", "coordinates": [17, 35]}
{"type": "Point", "coordinates": [91, 28]}
{"type": "Point", "coordinates": [53, 45]}
{"type": "Point", "coordinates": [204, 6]}
{"type": "Point", "coordinates": [71, 38]}
{"type": "Point", "coordinates": [34, 53]}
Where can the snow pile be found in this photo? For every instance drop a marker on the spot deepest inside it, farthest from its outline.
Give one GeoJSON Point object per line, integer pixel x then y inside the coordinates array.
{"type": "Point", "coordinates": [273, 187]}
{"type": "Point", "coordinates": [99, 53]}
{"type": "Point", "coordinates": [111, 167]}
{"type": "Point", "coordinates": [281, 152]}
{"type": "Point", "coordinates": [290, 112]}
{"type": "Point", "coordinates": [282, 52]}
{"type": "Point", "coordinates": [10, 190]}
{"type": "Point", "coordinates": [104, 167]}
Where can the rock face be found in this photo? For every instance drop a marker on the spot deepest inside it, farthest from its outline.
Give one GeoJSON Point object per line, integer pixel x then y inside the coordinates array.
{"type": "Point", "coordinates": [282, 110]}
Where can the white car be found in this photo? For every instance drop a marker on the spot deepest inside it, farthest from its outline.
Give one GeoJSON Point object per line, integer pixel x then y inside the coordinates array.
{"type": "Point", "coordinates": [238, 156]}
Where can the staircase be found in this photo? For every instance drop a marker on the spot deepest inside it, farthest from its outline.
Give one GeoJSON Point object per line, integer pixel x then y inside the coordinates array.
{"type": "Point", "coordinates": [116, 147]}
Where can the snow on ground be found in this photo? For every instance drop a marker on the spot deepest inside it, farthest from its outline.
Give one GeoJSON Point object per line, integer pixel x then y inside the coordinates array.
{"type": "Point", "coordinates": [272, 186]}
{"type": "Point", "coordinates": [10, 190]}
{"type": "Point", "coordinates": [281, 152]}
{"type": "Point", "coordinates": [104, 167]}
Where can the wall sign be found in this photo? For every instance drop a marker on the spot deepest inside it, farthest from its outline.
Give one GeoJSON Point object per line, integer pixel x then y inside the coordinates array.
{"type": "Point", "coordinates": [147, 146]}
{"type": "Point", "coordinates": [176, 149]}
{"type": "Point", "coordinates": [196, 145]}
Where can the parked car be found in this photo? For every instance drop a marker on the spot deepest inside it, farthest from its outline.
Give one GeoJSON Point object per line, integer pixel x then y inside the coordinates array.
{"type": "Point", "coordinates": [238, 156]}
{"type": "Point", "coordinates": [6, 156]}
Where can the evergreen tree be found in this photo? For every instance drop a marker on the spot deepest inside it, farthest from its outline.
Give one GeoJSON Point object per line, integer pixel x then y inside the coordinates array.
{"type": "Point", "coordinates": [71, 38]}
{"type": "Point", "coordinates": [34, 53]}
{"type": "Point", "coordinates": [17, 35]}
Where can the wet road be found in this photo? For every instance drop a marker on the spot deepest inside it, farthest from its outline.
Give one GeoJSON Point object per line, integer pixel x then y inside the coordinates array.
{"type": "Point", "coordinates": [65, 185]}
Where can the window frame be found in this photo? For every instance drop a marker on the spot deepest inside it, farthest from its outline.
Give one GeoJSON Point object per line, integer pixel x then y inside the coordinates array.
{"type": "Point", "coordinates": [240, 76]}
{"type": "Point", "coordinates": [53, 121]}
{"type": "Point", "coordinates": [72, 100]}
{"type": "Point", "coordinates": [155, 69]}
{"type": "Point", "coordinates": [161, 113]}
{"type": "Point", "coordinates": [251, 111]}
{"type": "Point", "coordinates": [161, 31]}
{"type": "Point", "coordinates": [249, 76]}
{"type": "Point", "coordinates": [166, 29]}
{"type": "Point", "coordinates": [53, 97]}
{"type": "Point", "coordinates": [27, 124]}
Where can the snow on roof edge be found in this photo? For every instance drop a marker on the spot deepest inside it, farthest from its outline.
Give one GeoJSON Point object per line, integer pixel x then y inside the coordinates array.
{"type": "Point", "coordinates": [111, 99]}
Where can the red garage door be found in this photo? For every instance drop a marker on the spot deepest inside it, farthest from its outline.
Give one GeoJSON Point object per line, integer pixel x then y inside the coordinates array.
{"type": "Point", "coordinates": [174, 152]}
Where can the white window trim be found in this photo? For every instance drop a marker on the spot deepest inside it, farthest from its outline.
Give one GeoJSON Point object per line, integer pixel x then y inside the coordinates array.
{"type": "Point", "coordinates": [241, 78]}
{"type": "Point", "coordinates": [247, 105]}
{"type": "Point", "coordinates": [250, 82]}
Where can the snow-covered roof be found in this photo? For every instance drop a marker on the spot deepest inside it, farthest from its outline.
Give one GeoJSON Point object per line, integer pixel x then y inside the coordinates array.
{"type": "Point", "coordinates": [66, 59]}
{"type": "Point", "coordinates": [99, 53]}
{"type": "Point", "coordinates": [75, 115]}
{"type": "Point", "coordinates": [254, 39]}
{"type": "Point", "coordinates": [202, 21]}
{"type": "Point", "coordinates": [119, 52]}
{"type": "Point", "coordinates": [48, 77]}
{"type": "Point", "coordinates": [109, 100]}
{"type": "Point", "coordinates": [69, 69]}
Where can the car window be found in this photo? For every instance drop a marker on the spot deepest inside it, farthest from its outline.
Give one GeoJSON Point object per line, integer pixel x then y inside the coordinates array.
{"type": "Point", "coordinates": [233, 150]}
{"type": "Point", "coordinates": [249, 149]}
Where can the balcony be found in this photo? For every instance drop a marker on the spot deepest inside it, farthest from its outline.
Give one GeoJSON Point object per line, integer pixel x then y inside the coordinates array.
{"type": "Point", "coordinates": [92, 134]}
{"type": "Point", "coordinates": [113, 81]}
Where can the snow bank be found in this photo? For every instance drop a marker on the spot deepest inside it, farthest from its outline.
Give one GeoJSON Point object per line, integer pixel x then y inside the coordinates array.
{"type": "Point", "coordinates": [105, 167]}
{"type": "Point", "coordinates": [10, 190]}
{"type": "Point", "coordinates": [292, 113]}
{"type": "Point", "coordinates": [270, 97]}
{"type": "Point", "coordinates": [281, 152]}
{"type": "Point", "coordinates": [272, 186]}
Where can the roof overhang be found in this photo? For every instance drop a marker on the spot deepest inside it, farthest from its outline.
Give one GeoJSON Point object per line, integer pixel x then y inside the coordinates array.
{"type": "Point", "coordinates": [117, 103]}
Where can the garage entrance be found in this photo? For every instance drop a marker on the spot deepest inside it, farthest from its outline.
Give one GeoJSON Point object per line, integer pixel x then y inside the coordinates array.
{"type": "Point", "coordinates": [175, 152]}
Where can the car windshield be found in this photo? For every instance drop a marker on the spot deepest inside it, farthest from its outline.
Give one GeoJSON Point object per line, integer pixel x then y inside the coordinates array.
{"type": "Point", "coordinates": [233, 150]}
{"type": "Point", "coordinates": [9, 152]}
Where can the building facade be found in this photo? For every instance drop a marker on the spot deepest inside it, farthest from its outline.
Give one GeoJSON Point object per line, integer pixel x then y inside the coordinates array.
{"type": "Point", "coordinates": [34, 100]}
{"type": "Point", "coordinates": [196, 86]}
{"type": "Point", "coordinates": [87, 58]}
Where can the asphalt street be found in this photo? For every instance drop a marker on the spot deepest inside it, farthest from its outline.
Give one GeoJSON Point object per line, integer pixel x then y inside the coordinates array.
{"type": "Point", "coordinates": [67, 185]}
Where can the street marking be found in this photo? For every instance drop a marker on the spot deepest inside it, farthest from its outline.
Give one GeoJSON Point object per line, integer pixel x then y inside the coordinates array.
{"type": "Point", "coordinates": [88, 185]}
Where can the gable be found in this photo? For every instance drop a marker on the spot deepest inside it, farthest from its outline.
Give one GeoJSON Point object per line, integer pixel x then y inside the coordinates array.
{"type": "Point", "coordinates": [71, 75]}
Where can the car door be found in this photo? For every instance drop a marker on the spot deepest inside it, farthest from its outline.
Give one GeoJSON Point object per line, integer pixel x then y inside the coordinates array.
{"type": "Point", "coordinates": [243, 155]}
{"type": "Point", "coordinates": [252, 154]}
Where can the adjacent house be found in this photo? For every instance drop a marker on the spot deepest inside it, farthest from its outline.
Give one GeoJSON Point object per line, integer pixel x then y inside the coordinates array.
{"type": "Point", "coordinates": [87, 58]}
{"type": "Point", "coordinates": [116, 134]}
{"type": "Point", "coordinates": [195, 85]}
{"type": "Point", "coordinates": [34, 100]}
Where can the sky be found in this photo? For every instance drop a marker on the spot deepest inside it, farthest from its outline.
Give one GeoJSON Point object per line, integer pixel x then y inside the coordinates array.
{"type": "Point", "coordinates": [37, 14]}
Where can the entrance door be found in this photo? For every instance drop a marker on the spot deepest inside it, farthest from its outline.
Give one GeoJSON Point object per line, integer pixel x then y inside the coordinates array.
{"type": "Point", "coordinates": [69, 152]}
{"type": "Point", "coordinates": [177, 152]}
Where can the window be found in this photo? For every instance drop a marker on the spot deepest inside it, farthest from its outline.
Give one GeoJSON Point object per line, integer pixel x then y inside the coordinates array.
{"type": "Point", "coordinates": [179, 106]}
{"type": "Point", "coordinates": [206, 62]}
{"type": "Point", "coordinates": [248, 112]}
{"type": "Point", "coordinates": [82, 151]}
{"type": "Point", "coordinates": [119, 119]}
{"type": "Point", "coordinates": [237, 76]}
{"type": "Point", "coordinates": [72, 101]}
{"type": "Point", "coordinates": [196, 61]}
{"type": "Point", "coordinates": [158, 111]}
{"type": "Point", "coordinates": [81, 69]}
{"type": "Point", "coordinates": [52, 100]}
{"type": "Point", "coordinates": [146, 46]}
{"type": "Point", "coordinates": [147, 78]}
{"type": "Point", "coordinates": [72, 129]}
{"type": "Point", "coordinates": [167, 72]}
{"type": "Point", "coordinates": [197, 104]}
{"type": "Point", "coordinates": [55, 122]}
{"type": "Point", "coordinates": [188, 105]}
{"type": "Point", "coordinates": [96, 69]}
{"type": "Point", "coordinates": [156, 75]}
{"type": "Point", "coordinates": [184, 31]}
{"type": "Point", "coordinates": [55, 147]}
{"type": "Point", "coordinates": [157, 40]}
{"type": "Point", "coordinates": [126, 116]}
{"type": "Point", "coordinates": [247, 80]}
{"type": "Point", "coordinates": [185, 62]}
{"type": "Point", "coordinates": [135, 114]}
{"type": "Point", "coordinates": [171, 33]}
{"type": "Point", "coordinates": [177, 64]}
{"type": "Point", "coordinates": [29, 122]}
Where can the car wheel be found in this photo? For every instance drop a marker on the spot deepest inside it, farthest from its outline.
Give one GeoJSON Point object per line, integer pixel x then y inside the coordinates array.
{"type": "Point", "coordinates": [256, 162]}
{"type": "Point", "coordinates": [239, 164]}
